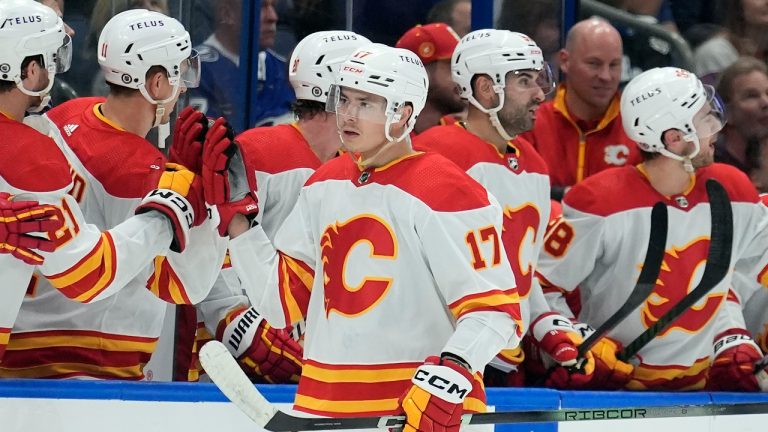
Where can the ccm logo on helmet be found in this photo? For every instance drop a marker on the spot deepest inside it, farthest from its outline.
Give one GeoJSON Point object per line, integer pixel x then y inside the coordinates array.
{"type": "Point", "coordinates": [21, 20]}
{"type": "Point", "coordinates": [646, 96]}
{"type": "Point", "coordinates": [147, 24]}
{"type": "Point", "coordinates": [431, 379]}
{"type": "Point", "coordinates": [352, 69]}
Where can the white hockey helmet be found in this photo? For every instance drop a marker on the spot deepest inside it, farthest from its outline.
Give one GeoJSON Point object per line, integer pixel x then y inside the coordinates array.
{"type": "Point", "coordinates": [135, 40]}
{"type": "Point", "coordinates": [666, 98]}
{"type": "Point", "coordinates": [495, 53]}
{"type": "Point", "coordinates": [30, 29]}
{"type": "Point", "coordinates": [316, 59]}
{"type": "Point", "coordinates": [395, 74]}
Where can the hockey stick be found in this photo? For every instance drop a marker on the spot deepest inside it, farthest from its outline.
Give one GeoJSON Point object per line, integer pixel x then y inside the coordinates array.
{"type": "Point", "coordinates": [645, 282]}
{"type": "Point", "coordinates": [718, 263]}
{"type": "Point", "coordinates": [232, 381]}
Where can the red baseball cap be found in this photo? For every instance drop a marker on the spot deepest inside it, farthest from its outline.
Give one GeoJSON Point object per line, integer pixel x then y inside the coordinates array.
{"type": "Point", "coordinates": [431, 42]}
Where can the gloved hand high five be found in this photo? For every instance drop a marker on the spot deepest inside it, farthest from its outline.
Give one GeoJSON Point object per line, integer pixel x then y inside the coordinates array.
{"type": "Point", "coordinates": [227, 184]}
{"type": "Point", "coordinates": [435, 401]}
{"type": "Point", "coordinates": [188, 137]}
{"type": "Point", "coordinates": [263, 351]}
{"type": "Point", "coordinates": [733, 367]}
{"type": "Point", "coordinates": [19, 219]}
{"type": "Point", "coordinates": [178, 195]}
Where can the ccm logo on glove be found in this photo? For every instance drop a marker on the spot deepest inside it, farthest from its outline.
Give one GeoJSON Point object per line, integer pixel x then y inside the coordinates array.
{"type": "Point", "coordinates": [178, 201]}
{"type": "Point", "coordinates": [442, 382]}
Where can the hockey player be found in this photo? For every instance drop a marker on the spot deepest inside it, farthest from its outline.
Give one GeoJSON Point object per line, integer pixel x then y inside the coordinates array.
{"type": "Point", "coordinates": [148, 62]}
{"type": "Point", "coordinates": [88, 264]}
{"type": "Point", "coordinates": [503, 97]}
{"type": "Point", "coordinates": [281, 158]}
{"type": "Point", "coordinates": [393, 236]}
{"type": "Point", "coordinates": [599, 244]}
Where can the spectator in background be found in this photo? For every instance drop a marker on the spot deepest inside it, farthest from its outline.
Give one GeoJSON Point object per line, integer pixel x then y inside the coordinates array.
{"type": "Point", "coordinates": [744, 89]}
{"type": "Point", "coordinates": [538, 18]}
{"type": "Point", "coordinates": [220, 90]}
{"type": "Point", "coordinates": [456, 13]}
{"type": "Point", "coordinates": [434, 44]}
{"type": "Point", "coordinates": [745, 32]}
{"type": "Point", "coordinates": [579, 132]}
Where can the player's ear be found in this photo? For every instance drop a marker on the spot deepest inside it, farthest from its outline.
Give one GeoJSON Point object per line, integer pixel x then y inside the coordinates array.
{"type": "Point", "coordinates": [406, 111]}
{"type": "Point", "coordinates": [482, 88]}
{"type": "Point", "coordinates": [155, 81]}
{"type": "Point", "coordinates": [672, 138]}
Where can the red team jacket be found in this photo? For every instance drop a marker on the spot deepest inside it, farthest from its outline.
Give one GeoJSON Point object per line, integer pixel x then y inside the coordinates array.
{"type": "Point", "coordinates": [573, 154]}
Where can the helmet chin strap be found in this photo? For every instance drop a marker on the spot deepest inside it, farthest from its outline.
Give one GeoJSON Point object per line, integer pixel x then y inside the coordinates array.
{"type": "Point", "coordinates": [159, 104]}
{"type": "Point", "coordinates": [493, 113]}
{"type": "Point", "coordinates": [687, 159]}
{"type": "Point", "coordinates": [44, 94]}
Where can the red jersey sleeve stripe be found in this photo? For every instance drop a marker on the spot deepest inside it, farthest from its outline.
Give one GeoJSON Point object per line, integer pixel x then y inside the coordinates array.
{"type": "Point", "coordinates": [296, 279]}
{"type": "Point", "coordinates": [91, 275]}
{"type": "Point", "coordinates": [165, 284]}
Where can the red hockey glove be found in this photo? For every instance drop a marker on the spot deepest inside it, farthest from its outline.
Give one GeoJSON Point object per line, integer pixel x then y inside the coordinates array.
{"type": "Point", "coordinates": [188, 136]}
{"type": "Point", "coordinates": [610, 372]}
{"type": "Point", "coordinates": [263, 351]}
{"type": "Point", "coordinates": [556, 344]}
{"type": "Point", "coordinates": [178, 195]}
{"type": "Point", "coordinates": [18, 219]}
{"type": "Point", "coordinates": [733, 367]}
{"type": "Point", "coordinates": [435, 401]}
{"type": "Point", "coordinates": [227, 184]}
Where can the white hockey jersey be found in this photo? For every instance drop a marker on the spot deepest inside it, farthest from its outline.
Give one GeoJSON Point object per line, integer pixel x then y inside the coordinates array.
{"type": "Point", "coordinates": [113, 338]}
{"type": "Point", "coordinates": [600, 245]}
{"type": "Point", "coordinates": [403, 254]}
{"type": "Point", "coordinates": [88, 264]}
{"type": "Point", "coordinates": [519, 180]}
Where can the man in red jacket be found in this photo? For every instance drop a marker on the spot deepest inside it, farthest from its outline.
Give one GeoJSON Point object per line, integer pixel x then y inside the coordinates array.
{"type": "Point", "coordinates": [579, 132]}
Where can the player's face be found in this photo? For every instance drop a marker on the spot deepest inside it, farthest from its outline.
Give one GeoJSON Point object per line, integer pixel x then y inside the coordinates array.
{"type": "Point", "coordinates": [522, 97]}
{"type": "Point", "coordinates": [360, 118]}
{"type": "Point", "coordinates": [708, 124]}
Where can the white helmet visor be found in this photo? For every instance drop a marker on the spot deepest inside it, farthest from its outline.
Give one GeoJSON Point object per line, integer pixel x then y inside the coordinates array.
{"type": "Point", "coordinates": [63, 56]}
{"type": "Point", "coordinates": [356, 104]}
{"type": "Point", "coordinates": [710, 119]}
{"type": "Point", "coordinates": [530, 79]}
{"type": "Point", "coordinates": [190, 70]}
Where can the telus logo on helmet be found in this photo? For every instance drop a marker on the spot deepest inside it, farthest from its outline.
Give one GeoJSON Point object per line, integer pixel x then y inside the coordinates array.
{"type": "Point", "coordinates": [338, 38]}
{"type": "Point", "coordinates": [646, 96]}
{"type": "Point", "coordinates": [21, 20]}
{"type": "Point", "coordinates": [146, 24]}
{"type": "Point", "coordinates": [411, 60]}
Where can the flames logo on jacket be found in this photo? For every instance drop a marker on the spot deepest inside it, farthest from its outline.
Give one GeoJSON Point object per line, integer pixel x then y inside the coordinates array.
{"type": "Point", "coordinates": [336, 246]}
{"type": "Point", "coordinates": [676, 279]}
